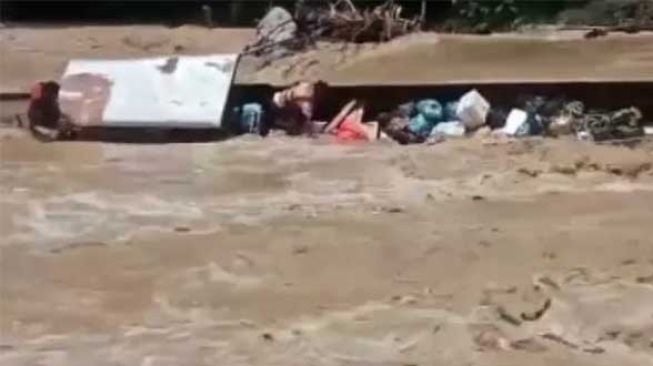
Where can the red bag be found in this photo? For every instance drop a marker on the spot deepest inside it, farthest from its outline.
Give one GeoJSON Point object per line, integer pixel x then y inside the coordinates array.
{"type": "Point", "coordinates": [351, 128]}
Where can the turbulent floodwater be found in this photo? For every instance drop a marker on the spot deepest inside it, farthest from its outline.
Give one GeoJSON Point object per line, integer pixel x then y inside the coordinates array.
{"type": "Point", "coordinates": [301, 252]}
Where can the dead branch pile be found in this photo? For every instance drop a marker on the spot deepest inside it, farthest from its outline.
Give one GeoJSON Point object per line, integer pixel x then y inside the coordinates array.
{"type": "Point", "coordinates": [343, 21]}
{"type": "Point", "coordinates": [280, 34]}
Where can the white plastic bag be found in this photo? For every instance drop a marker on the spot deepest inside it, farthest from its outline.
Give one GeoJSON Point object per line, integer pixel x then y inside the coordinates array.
{"type": "Point", "coordinates": [516, 119]}
{"type": "Point", "coordinates": [453, 129]}
{"type": "Point", "coordinates": [472, 109]}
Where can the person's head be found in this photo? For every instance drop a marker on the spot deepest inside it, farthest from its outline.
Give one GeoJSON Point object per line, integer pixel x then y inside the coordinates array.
{"type": "Point", "coordinates": [46, 91]}
{"type": "Point", "coordinates": [50, 91]}
{"type": "Point", "coordinates": [320, 86]}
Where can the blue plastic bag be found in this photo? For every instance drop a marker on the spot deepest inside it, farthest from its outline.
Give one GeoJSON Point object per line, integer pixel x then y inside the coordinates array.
{"type": "Point", "coordinates": [450, 111]}
{"type": "Point", "coordinates": [429, 113]}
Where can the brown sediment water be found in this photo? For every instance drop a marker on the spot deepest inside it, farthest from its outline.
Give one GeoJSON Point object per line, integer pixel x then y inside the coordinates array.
{"type": "Point", "coordinates": [32, 54]}
{"type": "Point", "coordinates": [444, 59]}
{"type": "Point", "coordinates": [291, 251]}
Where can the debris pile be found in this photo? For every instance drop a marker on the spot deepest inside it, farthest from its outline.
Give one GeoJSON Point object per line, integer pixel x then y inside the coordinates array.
{"type": "Point", "coordinates": [535, 116]}
{"type": "Point", "coordinates": [279, 33]}
{"type": "Point", "coordinates": [427, 120]}
{"type": "Point", "coordinates": [344, 22]}
{"type": "Point", "coordinates": [616, 125]}
{"type": "Point", "coordinates": [433, 121]}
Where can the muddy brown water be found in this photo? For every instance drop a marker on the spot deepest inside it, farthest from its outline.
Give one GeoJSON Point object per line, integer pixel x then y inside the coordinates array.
{"type": "Point", "coordinates": [540, 56]}
{"type": "Point", "coordinates": [293, 251]}
{"type": "Point", "coordinates": [31, 54]}
{"type": "Point", "coordinates": [304, 252]}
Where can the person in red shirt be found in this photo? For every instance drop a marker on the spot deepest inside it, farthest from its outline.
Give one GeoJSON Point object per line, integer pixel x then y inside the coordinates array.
{"type": "Point", "coordinates": [44, 112]}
